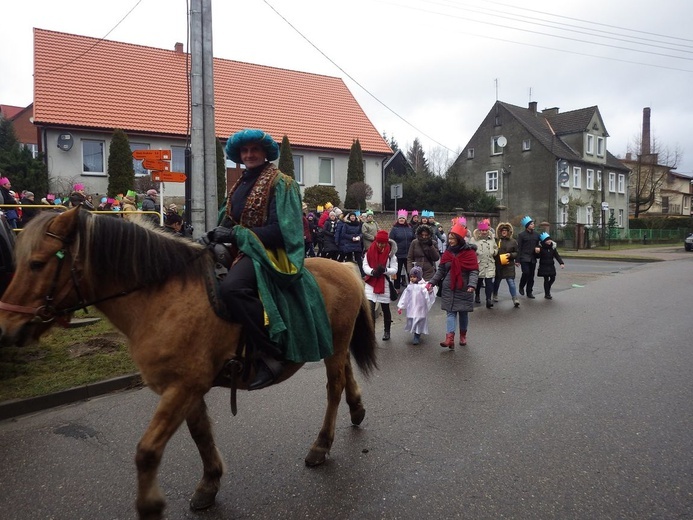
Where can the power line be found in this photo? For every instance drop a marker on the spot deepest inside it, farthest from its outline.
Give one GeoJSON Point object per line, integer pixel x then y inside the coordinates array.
{"type": "Point", "coordinates": [97, 42]}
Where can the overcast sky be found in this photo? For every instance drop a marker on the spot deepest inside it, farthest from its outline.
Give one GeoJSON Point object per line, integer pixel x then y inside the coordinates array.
{"type": "Point", "coordinates": [422, 68]}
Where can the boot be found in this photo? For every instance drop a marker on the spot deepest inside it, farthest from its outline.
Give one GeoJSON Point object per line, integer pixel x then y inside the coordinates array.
{"type": "Point", "coordinates": [386, 332]}
{"type": "Point", "coordinates": [449, 341]}
{"type": "Point", "coordinates": [417, 339]}
{"type": "Point", "coordinates": [495, 297]}
{"type": "Point", "coordinates": [548, 296]}
{"type": "Point", "coordinates": [516, 301]}
{"type": "Point", "coordinates": [530, 295]}
{"type": "Point", "coordinates": [477, 299]}
{"type": "Point", "coordinates": [267, 370]}
{"type": "Point", "coordinates": [463, 337]}
{"type": "Point", "coordinates": [489, 304]}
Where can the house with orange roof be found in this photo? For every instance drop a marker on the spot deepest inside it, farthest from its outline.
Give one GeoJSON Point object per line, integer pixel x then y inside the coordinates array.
{"type": "Point", "coordinates": [86, 87]}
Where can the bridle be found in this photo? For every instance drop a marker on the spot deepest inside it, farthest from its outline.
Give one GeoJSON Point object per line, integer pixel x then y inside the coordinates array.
{"type": "Point", "coordinates": [47, 312]}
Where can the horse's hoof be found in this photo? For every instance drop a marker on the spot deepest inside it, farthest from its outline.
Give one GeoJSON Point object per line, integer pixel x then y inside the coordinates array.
{"type": "Point", "coordinates": [315, 457]}
{"type": "Point", "coordinates": [202, 500]}
{"type": "Point", "coordinates": [357, 416]}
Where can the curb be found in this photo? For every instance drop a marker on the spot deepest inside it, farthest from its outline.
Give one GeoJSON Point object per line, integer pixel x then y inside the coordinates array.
{"type": "Point", "coordinates": [17, 407]}
{"type": "Point", "coordinates": [612, 258]}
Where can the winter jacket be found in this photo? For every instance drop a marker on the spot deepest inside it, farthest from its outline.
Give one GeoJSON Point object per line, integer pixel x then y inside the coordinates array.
{"type": "Point", "coordinates": [526, 242]}
{"type": "Point", "coordinates": [390, 269]}
{"type": "Point", "coordinates": [459, 300]}
{"type": "Point", "coordinates": [486, 250]}
{"type": "Point", "coordinates": [329, 230]}
{"type": "Point", "coordinates": [402, 234]}
{"type": "Point", "coordinates": [368, 231]}
{"type": "Point", "coordinates": [506, 245]}
{"type": "Point", "coordinates": [346, 234]}
{"type": "Point", "coordinates": [547, 254]}
{"type": "Point", "coordinates": [424, 253]}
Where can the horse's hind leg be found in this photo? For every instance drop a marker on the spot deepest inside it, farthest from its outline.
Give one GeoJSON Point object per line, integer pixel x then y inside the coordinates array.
{"type": "Point", "coordinates": [335, 386]}
{"type": "Point", "coordinates": [170, 413]}
{"type": "Point", "coordinates": [201, 431]}
{"type": "Point", "coordinates": [353, 395]}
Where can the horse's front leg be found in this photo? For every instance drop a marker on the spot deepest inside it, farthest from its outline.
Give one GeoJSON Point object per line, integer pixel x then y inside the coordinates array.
{"type": "Point", "coordinates": [213, 466]}
{"type": "Point", "coordinates": [335, 386]}
{"type": "Point", "coordinates": [172, 409]}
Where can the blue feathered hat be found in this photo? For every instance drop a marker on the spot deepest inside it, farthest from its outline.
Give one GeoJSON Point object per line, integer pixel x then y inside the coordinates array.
{"type": "Point", "coordinates": [249, 135]}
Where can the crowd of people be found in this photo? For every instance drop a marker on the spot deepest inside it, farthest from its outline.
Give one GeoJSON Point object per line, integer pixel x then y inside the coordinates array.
{"type": "Point", "coordinates": [415, 260]}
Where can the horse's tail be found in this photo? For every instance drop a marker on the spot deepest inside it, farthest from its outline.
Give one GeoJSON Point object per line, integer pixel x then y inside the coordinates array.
{"type": "Point", "coordinates": [363, 342]}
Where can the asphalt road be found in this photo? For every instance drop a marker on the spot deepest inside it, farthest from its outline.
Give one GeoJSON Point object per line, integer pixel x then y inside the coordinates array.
{"type": "Point", "coordinates": [579, 407]}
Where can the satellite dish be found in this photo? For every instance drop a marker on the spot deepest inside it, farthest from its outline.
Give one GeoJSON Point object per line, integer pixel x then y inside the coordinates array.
{"type": "Point", "coordinates": [565, 199]}
{"type": "Point", "coordinates": [502, 141]}
{"type": "Point", "coordinates": [65, 141]}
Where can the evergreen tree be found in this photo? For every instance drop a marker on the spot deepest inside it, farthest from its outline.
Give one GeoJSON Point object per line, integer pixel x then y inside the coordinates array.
{"type": "Point", "coordinates": [17, 163]}
{"type": "Point", "coordinates": [221, 175]}
{"type": "Point", "coordinates": [417, 158]}
{"type": "Point", "coordinates": [392, 142]}
{"type": "Point", "coordinates": [355, 174]}
{"type": "Point", "coordinates": [121, 174]}
{"type": "Point", "coordinates": [315, 196]}
{"type": "Point", "coordinates": [286, 158]}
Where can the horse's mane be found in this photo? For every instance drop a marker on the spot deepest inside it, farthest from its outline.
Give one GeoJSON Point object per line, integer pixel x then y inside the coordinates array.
{"type": "Point", "coordinates": [132, 250]}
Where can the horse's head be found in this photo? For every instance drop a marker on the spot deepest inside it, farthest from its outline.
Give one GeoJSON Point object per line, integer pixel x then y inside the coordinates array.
{"type": "Point", "coordinates": [45, 280]}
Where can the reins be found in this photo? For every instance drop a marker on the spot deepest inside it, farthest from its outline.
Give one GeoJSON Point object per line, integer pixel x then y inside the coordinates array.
{"type": "Point", "coordinates": [47, 312]}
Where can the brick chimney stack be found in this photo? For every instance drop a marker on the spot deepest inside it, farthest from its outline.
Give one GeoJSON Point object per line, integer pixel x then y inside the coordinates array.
{"type": "Point", "coordinates": [533, 107]}
{"type": "Point", "coordinates": [178, 48]}
{"type": "Point", "coordinates": [645, 145]}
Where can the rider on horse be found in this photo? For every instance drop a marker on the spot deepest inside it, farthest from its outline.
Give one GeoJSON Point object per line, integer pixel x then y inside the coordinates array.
{"type": "Point", "coordinates": [263, 223]}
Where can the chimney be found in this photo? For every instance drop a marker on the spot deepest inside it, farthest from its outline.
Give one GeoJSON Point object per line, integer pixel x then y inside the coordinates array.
{"type": "Point", "coordinates": [550, 111]}
{"type": "Point", "coordinates": [645, 145]}
{"type": "Point", "coordinates": [178, 48]}
{"type": "Point", "coordinates": [629, 156]}
{"type": "Point", "coordinates": [533, 107]}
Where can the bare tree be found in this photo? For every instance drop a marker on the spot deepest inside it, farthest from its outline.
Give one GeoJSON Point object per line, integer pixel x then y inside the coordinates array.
{"type": "Point", "coordinates": [650, 172]}
{"type": "Point", "coordinates": [440, 159]}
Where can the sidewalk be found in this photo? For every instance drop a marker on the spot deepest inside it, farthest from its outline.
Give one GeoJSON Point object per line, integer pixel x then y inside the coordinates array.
{"type": "Point", "coordinates": [642, 254]}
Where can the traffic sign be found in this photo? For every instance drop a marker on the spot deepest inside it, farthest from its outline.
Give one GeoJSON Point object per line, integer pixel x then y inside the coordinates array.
{"type": "Point", "coordinates": [161, 176]}
{"type": "Point", "coordinates": [155, 155]}
{"type": "Point", "coordinates": [154, 164]}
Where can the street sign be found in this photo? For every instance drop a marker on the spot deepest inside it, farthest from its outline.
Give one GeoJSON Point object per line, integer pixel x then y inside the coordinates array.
{"type": "Point", "coordinates": [605, 206]}
{"type": "Point", "coordinates": [396, 191]}
{"type": "Point", "coordinates": [161, 176]}
{"type": "Point", "coordinates": [155, 164]}
{"type": "Point", "coordinates": [155, 155]}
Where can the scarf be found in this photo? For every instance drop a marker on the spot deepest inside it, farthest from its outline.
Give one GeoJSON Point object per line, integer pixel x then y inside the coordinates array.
{"type": "Point", "coordinates": [375, 258]}
{"type": "Point", "coordinates": [461, 260]}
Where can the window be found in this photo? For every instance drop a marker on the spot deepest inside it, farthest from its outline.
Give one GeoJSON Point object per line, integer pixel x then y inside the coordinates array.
{"type": "Point", "coordinates": [601, 146]}
{"type": "Point", "coordinates": [589, 215]}
{"type": "Point", "coordinates": [564, 215]}
{"type": "Point", "coordinates": [33, 148]}
{"type": "Point", "coordinates": [620, 218]}
{"type": "Point", "coordinates": [140, 171]}
{"type": "Point", "coordinates": [589, 146]}
{"type": "Point", "coordinates": [178, 159]}
{"type": "Point", "coordinates": [92, 156]}
{"type": "Point", "coordinates": [590, 179]}
{"type": "Point", "coordinates": [665, 204]}
{"type": "Point", "coordinates": [325, 171]}
{"type": "Point", "coordinates": [577, 177]}
{"type": "Point", "coordinates": [470, 153]}
{"type": "Point", "coordinates": [492, 181]}
{"type": "Point", "coordinates": [599, 181]}
{"type": "Point", "coordinates": [526, 145]}
{"type": "Point", "coordinates": [612, 182]}
{"type": "Point", "coordinates": [496, 149]}
{"type": "Point", "coordinates": [621, 183]}
{"type": "Point", "coordinates": [298, 168]}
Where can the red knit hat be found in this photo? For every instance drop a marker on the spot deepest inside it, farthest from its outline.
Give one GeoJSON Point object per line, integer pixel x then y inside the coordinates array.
{"type": "Point", "coordinates": [382, 237]}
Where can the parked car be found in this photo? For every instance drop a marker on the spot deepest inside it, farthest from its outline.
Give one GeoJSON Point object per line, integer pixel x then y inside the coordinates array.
{"type": "Point", "coordinates": [688, 243]}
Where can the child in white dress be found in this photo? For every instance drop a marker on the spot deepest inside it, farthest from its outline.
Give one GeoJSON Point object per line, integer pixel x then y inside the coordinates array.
{"type": "Point", "coordinates": [417, 301]}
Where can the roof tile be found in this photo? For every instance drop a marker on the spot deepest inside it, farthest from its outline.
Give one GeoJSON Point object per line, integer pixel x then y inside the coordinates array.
{"type": "Point", "coordinates": [87, 82]}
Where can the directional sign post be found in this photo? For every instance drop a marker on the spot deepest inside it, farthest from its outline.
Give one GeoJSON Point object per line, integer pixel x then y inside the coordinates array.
{"type": "Point", "coordinates": [155, 164]}
{"type": "Point", "coordinates": [166, 176]}
{"type": "Point", "coordinates": [154, 155]}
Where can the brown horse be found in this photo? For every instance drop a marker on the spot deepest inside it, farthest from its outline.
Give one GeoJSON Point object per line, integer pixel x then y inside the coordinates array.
{"type": "Point", "coordinates": [152, 287]}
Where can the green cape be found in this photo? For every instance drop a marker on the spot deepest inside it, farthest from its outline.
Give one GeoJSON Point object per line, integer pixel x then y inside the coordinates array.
{"type": "Point", "coordinates": [294, 305]}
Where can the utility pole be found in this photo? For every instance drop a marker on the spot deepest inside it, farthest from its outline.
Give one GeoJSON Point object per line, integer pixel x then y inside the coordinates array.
{"type": "Point", "coordinates": [203, 188]}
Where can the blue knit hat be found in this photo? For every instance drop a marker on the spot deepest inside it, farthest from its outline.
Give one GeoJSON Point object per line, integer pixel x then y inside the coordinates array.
{"type": "Point", "coordinates": [234, 143]}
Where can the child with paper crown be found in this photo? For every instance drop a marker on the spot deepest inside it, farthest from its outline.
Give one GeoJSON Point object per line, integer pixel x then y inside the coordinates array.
{"type": "Point", "coordinates": [547, 267]}
{"type": "Point", "coordinates": [416, 301]}
{"type": "Point", "coordinates": [402, 234]}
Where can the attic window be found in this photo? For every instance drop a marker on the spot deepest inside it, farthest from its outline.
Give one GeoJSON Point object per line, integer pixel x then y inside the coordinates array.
{"type": "Point", "coordinates": [526, 145]}
{"type": "Point", "coordinates": [595, 126]}
{"type": "Point", "coordinates": [470, 153]}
